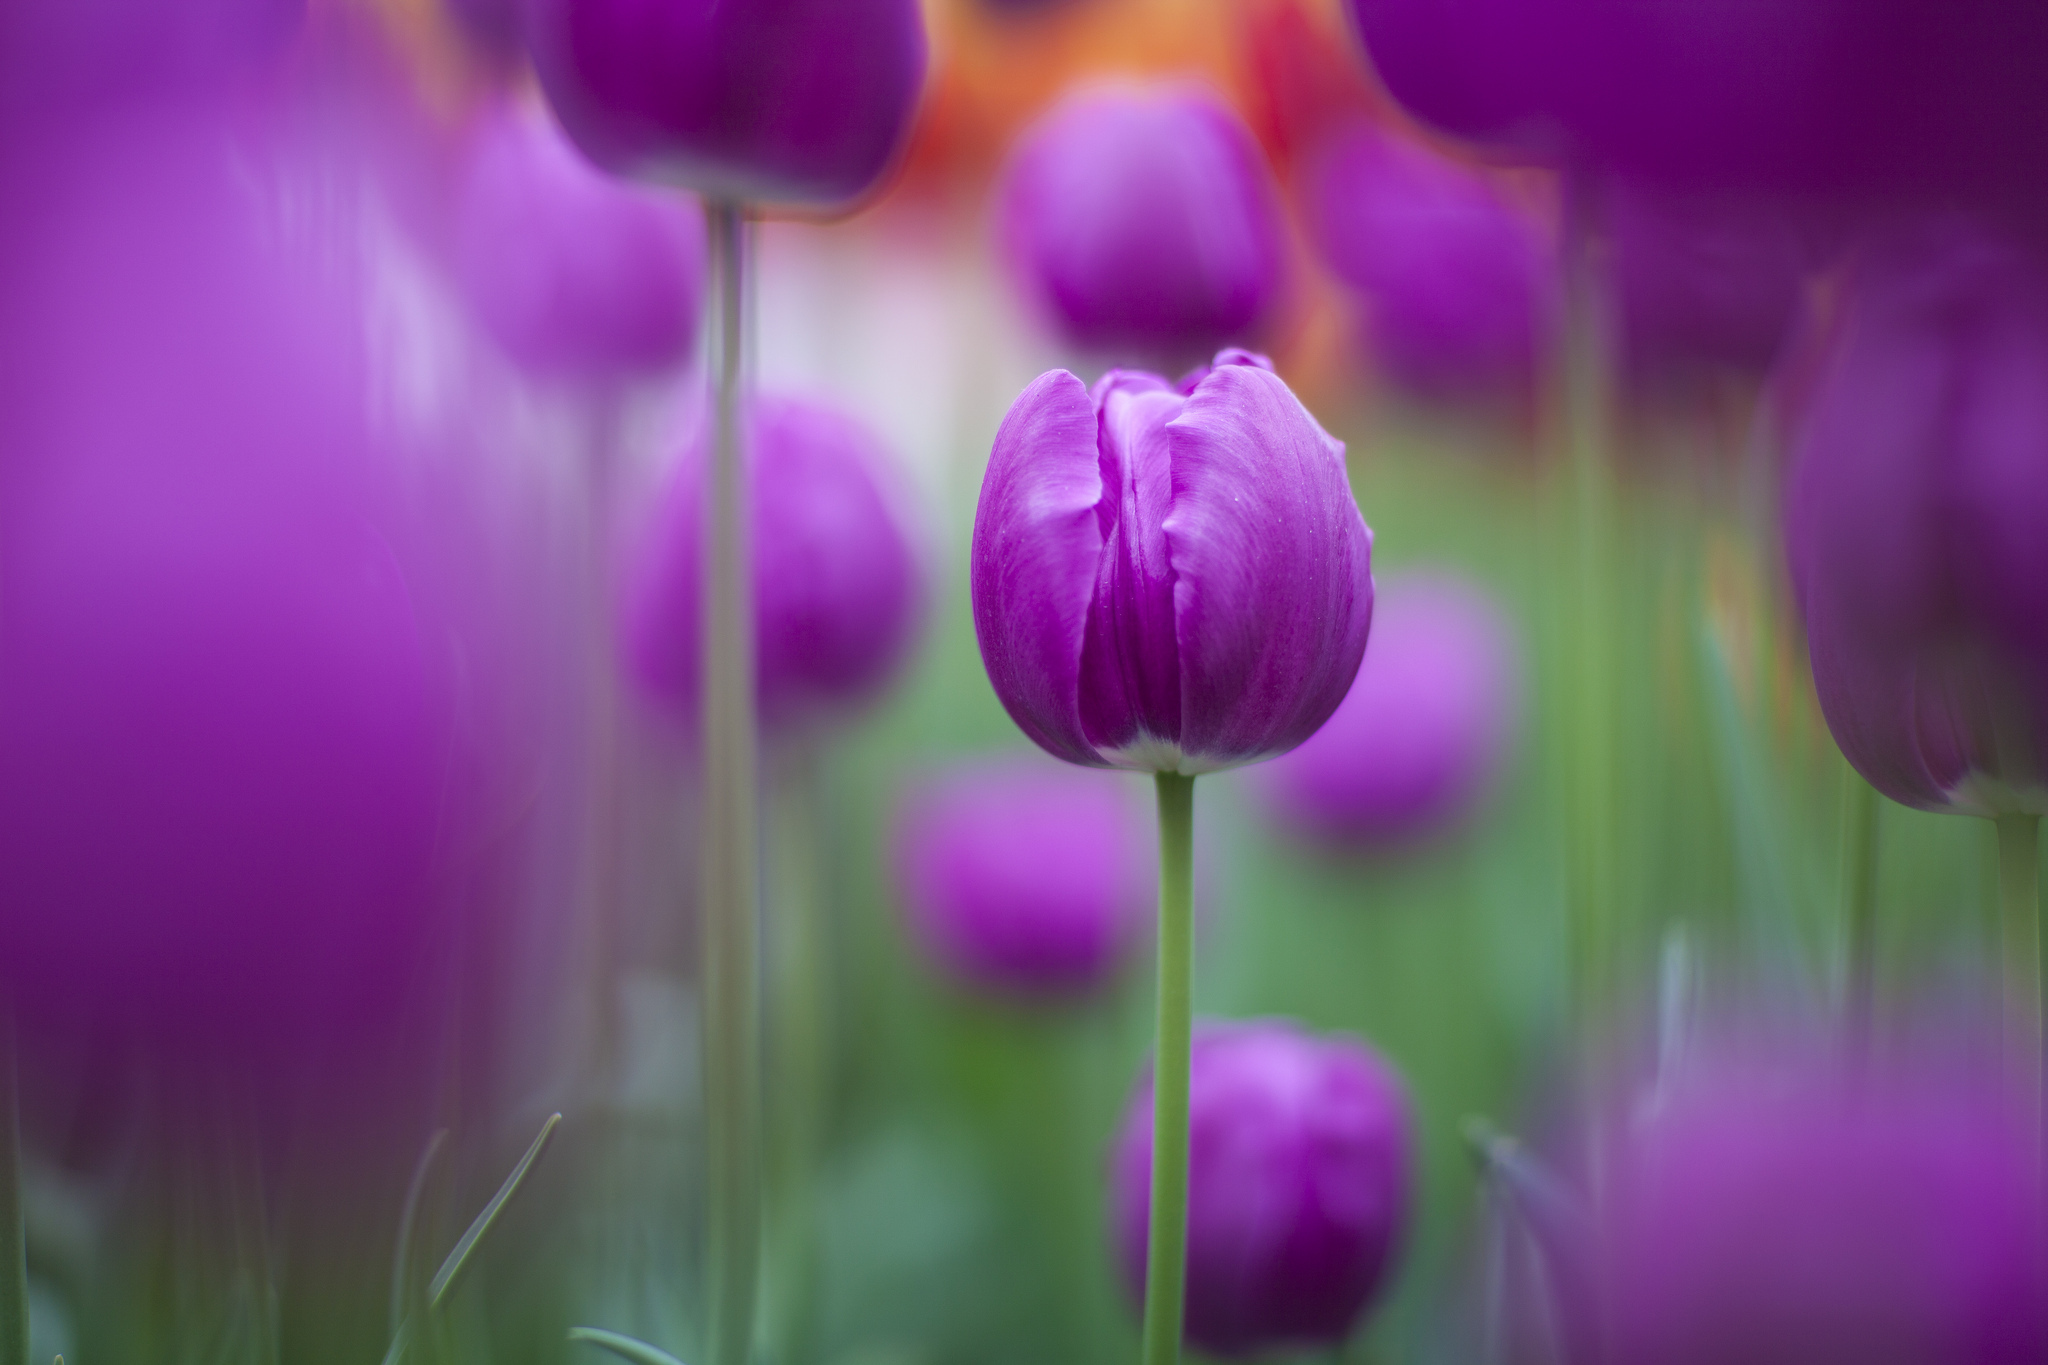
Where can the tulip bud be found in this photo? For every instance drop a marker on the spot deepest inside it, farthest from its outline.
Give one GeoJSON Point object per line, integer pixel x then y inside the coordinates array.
{"type": "Point", "coordinates": [1297, 1186]}
{"type": "Point", "coordinates": [837, 584]}
{"type": "Point", "coordinates": [1144, 223]}
{"type": "Point", "coordinates": [801, 102]}
{"type": "Point", "coordinates": [1422, 734]}
{"type": "Point", "coordinates": [73, 53]}
{"type": "Point", "coordinates": [1793, 1214]}
{"type": "Point", "coordinates": [985, 902]}
{"type": "Point", "coordinates": [1702, 286]}
{"type": "Point", "coordinates": [1914, 527]}
{"type": "Point", "coordinates": [1460, 285]}
{"type": "Point", "coordinates": [571, 272]}
{"type": "Point", "coordinates": [1169, 579]}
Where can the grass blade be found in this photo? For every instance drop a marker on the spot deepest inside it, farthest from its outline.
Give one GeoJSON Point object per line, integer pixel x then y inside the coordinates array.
{"type": "Point", "coordinates": [408, 1230]}
{"type": "Point", "coordinates": [624, 1347]}
{"type": "Point", "coordinates": [444, 1278]}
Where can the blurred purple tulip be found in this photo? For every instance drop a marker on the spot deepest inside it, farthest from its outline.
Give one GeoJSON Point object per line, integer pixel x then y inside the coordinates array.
{"type": "Point", "coordinates": [1169, 579]}
{"type": "Point", "coordinates": [493, 26]}
{"type": "Point", "coordinates": [838, 591]}
{"type": "Point", "coordinates": [1460, 284]}
{"type": "Point", "coordinates": [224, 703]}
{"type": "Point", "coordinates": [986, 902]}
{"type": "Point", "coordinates": [1913, 97]}
{"type": "Point", "coordinates": [1144, 222]}
{"type": "Point", "coordinates": [1298, 1183]}
{"type": "Point", "coordinates": [1422, 734]}
{"type": "Point", "coordinates": [1703, 286]}
{"type": "Point", "coordinates": [574, 274]}
{"type": "Point", "coordinates": [1914, 525]}
{"type": "Point", "coordinates": [1789, 1214]}
{"type": "Point", "coordinates": [64, 55]}
{"type": "Point", "coordinates": [800, 102]}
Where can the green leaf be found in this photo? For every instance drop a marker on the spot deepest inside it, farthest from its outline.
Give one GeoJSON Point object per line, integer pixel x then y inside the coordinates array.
{"type": "Point", "coordinates": [625, 1347]}
{"type": "Point", "coordinates": [444, 1278]}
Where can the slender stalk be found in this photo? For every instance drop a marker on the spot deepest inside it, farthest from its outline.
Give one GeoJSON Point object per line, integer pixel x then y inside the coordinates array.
{"type": "Point", "coordinates": [2019, 904]}
{"type": "Point", "coordinates": [1167, 1235]}
{"type": "Point", "coordinates": [13, 1238]}
{"type": "Point", "coordinates": [730, 863]}
{"type": "Point", "coordinates": [1859, 910]}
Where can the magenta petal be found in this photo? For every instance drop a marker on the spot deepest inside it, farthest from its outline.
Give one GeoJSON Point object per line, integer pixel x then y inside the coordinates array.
{"type": "Point", "coordinates": [1037, 540]}
{"type": "Point", "coordinates": [1273, 566]}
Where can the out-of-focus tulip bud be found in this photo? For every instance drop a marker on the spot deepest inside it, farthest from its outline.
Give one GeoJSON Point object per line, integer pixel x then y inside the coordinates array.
{"type": "Point", "coordinates": [1297, 1186]}
{"type": "Point", "coordinates": [1828, 97]}
{"type": "Point", "coordinates": [1460, 284]}
{"type": "Point", "coordinates": [1422, 734]}
{"type": "Point", "coordinates": [1144, 223]}
{"type": "Point", "coordinates": [838, 591]}
{"type": "Point", "coordinates": [1169, 578]}
{"type": "Point", "coordinates": [574, 274]}
{"type": "Point", "coordinates": [797, 102]}
{"type": "Point", "coordinates": [1702, 286]}
{"type": "Point", "coordinates": [74, 53]}
{"type": "Point", "coordinates": [224, 728]}
{"type": "Point", "coordinates": [985, 901]}
{"type": "Point", "coordinates": [1801, 1213]}
{"type": "Point", "coordinates": [1914, 527]}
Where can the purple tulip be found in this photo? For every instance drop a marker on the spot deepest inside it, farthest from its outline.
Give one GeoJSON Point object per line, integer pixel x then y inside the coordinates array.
{"type": "Point", "coordinates": [986, 902]}
{"type": "Point", "coordinates": [800, 102]}
{"type": "Point", "coordinates": [837, 582]}
{"type": "Point", "coordinates": [1421, 736]}
{"type": "Point", "coordinates": [72, 53]}
{"type": "Point", "coordinates": [1912, 97]}
{"type": "Point", "coordinates": [1169, 579]}
{"type": "Point", "coordinates": [1297, 1186]}
{"type": "Point", "coordinates": [1145, 223]}
{"type": "Point", "coordinates": [224, 707]}
{"type": "Point", "coordinates": [1792, 1214]}
{"type": "Point", "coordinates": [574, 274]}
{"type": "Point", "coordinates": [1703, 286]}
{"type": "Point", "coordinates": [1914, 527]}
{"type": "Point", "coordinates": [1460, 285]}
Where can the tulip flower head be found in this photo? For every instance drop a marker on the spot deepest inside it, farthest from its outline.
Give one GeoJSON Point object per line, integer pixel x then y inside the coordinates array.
{"type": "Point", "coordinates": [988, 905]}
{"type": "Point", "coordinates": [1422, 734]}
{"type": "Point", "coordinates": [1144, 223]}
{"type": "Point", "coordinates": [574, 274]}
{"type": "Point", "coordinates": [794, 102]}
{"type": "Point", "coordinates": [1169, 578]}
{"type": "Point", "coordinates": [838, 587]}
{"type": "Point", "coordinates": [1702, 287]}
{"type": "Point", "coordinates": [1297, 1186]}
{"type": "Point", "coordinates": [1795, 1214]}
{"type": "Point", "coordinates": [1460, 284]}
{"type": "Point", "coordinates": [1914, 526]}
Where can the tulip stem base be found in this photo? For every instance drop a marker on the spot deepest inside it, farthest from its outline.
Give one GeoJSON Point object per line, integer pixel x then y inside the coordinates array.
{"type": "Point", "coordinates": [1167, 1231]}
{"type": "Point", "coordinates": [1859, 909]}
{"type": "Point", "coordinates": [2019, 901]}
{"type": "Point", "coordinates": [730, 859]}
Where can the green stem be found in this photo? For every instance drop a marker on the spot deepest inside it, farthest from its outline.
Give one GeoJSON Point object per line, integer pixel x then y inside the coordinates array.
{"type": "Point", "coordinates": [1859, 909]}
{"type": "Point", "coordinates": [2019, 903]}
{"type": "Point", "coordinates": [1167, 1238]}
{"type": "Point", "coordinates": [13, 1238]}
{"type": "Point", "coordinates": [730, 865]}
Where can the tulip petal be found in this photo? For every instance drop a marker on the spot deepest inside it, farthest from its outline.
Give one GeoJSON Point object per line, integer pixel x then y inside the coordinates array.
{"type": "Point", "coordinates": [1272, 562]}
{"type": "Point", "coordinates": [1038, 539]}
